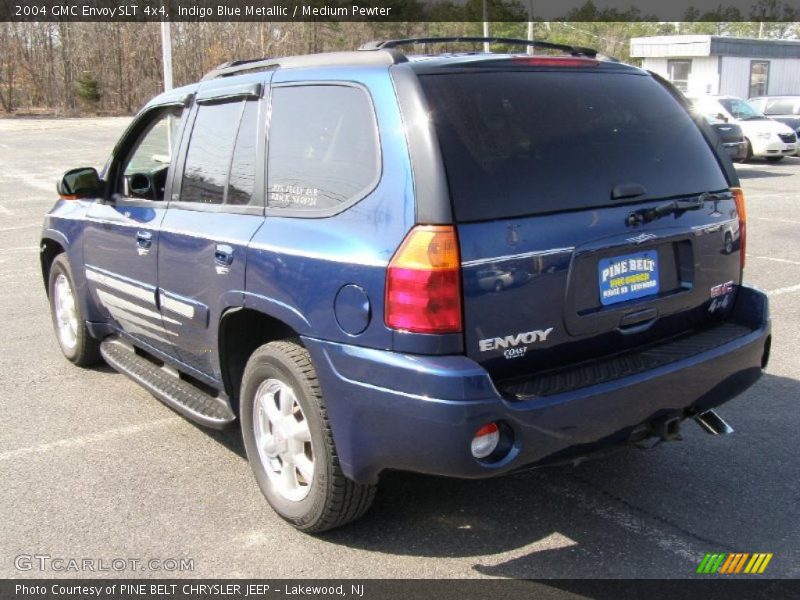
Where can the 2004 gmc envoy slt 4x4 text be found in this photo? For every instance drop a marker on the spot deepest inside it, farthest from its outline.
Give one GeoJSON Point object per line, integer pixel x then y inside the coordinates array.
{"type": "Point", "coordinates": [456, 264]}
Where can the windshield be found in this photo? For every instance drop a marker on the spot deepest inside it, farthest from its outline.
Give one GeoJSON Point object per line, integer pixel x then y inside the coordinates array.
{"type": "Point", "coordinates": [740, 109]}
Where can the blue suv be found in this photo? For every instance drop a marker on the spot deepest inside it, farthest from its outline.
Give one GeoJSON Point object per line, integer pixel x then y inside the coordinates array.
{"type": "Point", "coordinates": [457, 264]}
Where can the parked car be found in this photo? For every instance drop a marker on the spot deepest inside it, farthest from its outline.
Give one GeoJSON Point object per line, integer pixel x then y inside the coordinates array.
{"type": "Point", "coordinates": [495, 279]}
{"type": "Point", "coordinates": [765, 138]}
{"type": "Point", "coordinates": [731, 137]}
{"type": "Point", "coordinates": [283, 246]}
{"type": "Point", "coordinates": [785, 109]}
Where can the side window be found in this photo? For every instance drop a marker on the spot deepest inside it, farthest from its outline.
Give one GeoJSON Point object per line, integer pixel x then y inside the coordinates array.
{"type": "Point", "coordinates": [208, 159]}
{"type": "Point", "coordinates": [243, 165]}
{"type": "Point", "coordinates": [220, 164]}
{"type": "Point", "coordinates": [323, 147]}
{"type": "Point", "coordinates": [144, 173]}
{"type": "Point", "coordinates": [782, 106]}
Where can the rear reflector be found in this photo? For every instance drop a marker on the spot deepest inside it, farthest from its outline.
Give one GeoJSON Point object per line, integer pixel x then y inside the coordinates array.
{"type": "Point", "coordinates": [423, 282]}
{"type": "Point", "coordinates": [485, 440]}
{"type": "Point", "coordinates": [741, 209]}
{"type": "Point", "coordinates": [555, 61]}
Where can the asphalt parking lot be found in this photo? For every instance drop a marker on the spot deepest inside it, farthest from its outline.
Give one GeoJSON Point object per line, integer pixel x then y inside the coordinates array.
{"type": "Point", "coordinates": [92, 466]}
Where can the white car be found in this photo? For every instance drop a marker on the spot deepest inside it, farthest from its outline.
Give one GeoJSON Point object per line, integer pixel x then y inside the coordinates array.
{"type": "Point", "coordinates": [765, 138]}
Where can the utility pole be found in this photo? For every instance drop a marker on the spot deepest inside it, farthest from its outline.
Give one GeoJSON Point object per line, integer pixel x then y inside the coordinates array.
{"type": "Point", "coordinates": [166, 54]}
{"type": "Point", "coordinates": [530, 25]}
{"type": "Point", "coordinates": [486, 45]}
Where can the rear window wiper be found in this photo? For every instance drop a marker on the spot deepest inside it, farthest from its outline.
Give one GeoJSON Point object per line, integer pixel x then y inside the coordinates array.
{"type": "Point", "coordinates": [646, 215]}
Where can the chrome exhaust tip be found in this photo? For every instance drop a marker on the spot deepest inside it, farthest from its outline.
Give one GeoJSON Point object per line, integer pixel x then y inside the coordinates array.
{"type": "Point", "coordinates": [712, 423]}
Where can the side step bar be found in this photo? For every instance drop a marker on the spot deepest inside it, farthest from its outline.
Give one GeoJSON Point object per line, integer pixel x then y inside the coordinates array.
{"type": "Point", "coordinates": [165, 385]}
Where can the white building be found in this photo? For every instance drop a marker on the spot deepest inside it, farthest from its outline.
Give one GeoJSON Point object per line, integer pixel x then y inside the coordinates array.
{"type": "Point", "coordinates": [710, 64]}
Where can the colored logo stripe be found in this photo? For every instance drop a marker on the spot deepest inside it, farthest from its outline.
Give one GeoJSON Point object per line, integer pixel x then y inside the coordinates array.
{"type": "Point", "coordinates": [735, 562]}
{"type": "Point", "coordinates": [758, 563]}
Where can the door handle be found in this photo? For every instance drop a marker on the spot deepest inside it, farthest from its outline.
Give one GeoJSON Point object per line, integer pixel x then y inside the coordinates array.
{"type": "Point", "coordinates": [144, 239]}
{"type": "Point", "coordinates": [223, 255]}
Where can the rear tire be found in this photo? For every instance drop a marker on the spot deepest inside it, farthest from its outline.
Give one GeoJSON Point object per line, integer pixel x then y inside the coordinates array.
{"type": "Point", "coordinates": [77, 345]}
{"type": "Point", "coordinates": [289, 442]}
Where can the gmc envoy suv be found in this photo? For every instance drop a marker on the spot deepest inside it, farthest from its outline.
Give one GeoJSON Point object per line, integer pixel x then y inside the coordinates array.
{"type": "Point", "coordinates": [459, 264]}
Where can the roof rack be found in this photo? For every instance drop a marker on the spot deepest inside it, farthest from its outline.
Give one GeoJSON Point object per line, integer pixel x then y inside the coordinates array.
{"type": "Point", "coordinates": [390, 44]}
{"type": "Point", "coordinates": [381, 52]}
{"type": "Point", "coordinates": [237, 67]}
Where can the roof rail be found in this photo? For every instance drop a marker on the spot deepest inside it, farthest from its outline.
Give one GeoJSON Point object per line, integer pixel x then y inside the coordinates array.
{"type": "Point", "coordinates": [239, 66]}
{"type": "Point", "coordinates": [388, 44]}
{"type": "Point", "coordinates": [384, 58]}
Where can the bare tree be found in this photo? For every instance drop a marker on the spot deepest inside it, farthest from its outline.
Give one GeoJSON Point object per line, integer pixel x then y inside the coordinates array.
{"type": "Point", "coordinates": [44, 66]}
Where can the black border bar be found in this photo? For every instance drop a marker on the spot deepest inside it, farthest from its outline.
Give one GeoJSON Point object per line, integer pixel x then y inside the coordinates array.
{"type": "Point", "coordinates": [394, 10]}
{"type": "Point", "coordinates": [708, 587]}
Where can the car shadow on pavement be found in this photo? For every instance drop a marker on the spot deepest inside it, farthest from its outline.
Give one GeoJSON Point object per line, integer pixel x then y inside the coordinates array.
{"type": "Point", "coordinates": [231, 438]}
{"type": "Point", "coordinates": [745, 173]}
{"type": "Point", "coordinates": [648, 514]}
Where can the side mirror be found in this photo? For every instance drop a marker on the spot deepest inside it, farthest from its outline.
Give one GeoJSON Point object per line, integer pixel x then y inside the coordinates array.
{"type": "Point", "coordinates": [83, 182]}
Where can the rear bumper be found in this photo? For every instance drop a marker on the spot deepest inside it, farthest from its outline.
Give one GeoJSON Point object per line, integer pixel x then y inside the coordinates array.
{"type": "Point", "coordinates": [418, 413]}
{"type": "Point", "coordinates": [736, 150]}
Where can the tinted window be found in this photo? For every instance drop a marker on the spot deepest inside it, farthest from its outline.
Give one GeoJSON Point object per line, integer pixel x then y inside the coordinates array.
{"type": "Point", "coordinates": [243, 166]}
{"type": "Point", "coordinates": [209, 157]}
{"type": "Point", "coordinates": [517, 143]}
{"type": "Point", "coordinates": [323, 148]}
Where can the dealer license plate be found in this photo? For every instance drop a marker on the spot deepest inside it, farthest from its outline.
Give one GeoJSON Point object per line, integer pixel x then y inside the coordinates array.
{"type": "Point", "coordinates": [628, 277]}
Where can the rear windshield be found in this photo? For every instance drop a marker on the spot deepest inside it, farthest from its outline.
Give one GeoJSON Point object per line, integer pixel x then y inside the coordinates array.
{"type": "Point", "coordinates": [521, 143]}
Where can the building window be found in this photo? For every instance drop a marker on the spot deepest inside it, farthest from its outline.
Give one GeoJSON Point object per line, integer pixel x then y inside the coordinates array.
{"type": "Point", "coordinates": [679, 71]}
{"type": "Point", "coordinates": [759, 77]}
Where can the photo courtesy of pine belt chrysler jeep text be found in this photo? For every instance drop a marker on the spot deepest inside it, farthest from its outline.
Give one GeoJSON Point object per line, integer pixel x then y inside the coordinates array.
{"type": "Point", "coordinates": [455, 264]}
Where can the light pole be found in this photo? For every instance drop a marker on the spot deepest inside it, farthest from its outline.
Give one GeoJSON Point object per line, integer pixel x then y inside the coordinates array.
{"type": "Point", "coordinates": [486, 45]}
{"type": "Point", "coordinates": [530, 25]}
{"type": "Point", "coordinates": [166, 54]}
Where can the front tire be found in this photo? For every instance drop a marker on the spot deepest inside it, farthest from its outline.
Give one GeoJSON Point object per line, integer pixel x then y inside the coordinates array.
{"type": "Point", "coordinates": [77, 345]}
{"type": "Point", "coordinates": [289, 442]}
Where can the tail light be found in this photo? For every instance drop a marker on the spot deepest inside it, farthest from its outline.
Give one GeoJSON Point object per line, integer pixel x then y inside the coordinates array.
{"type": "Point", "coordinates": [741, 209]}
{"type": "Point", "coordinates": [423, 282]}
